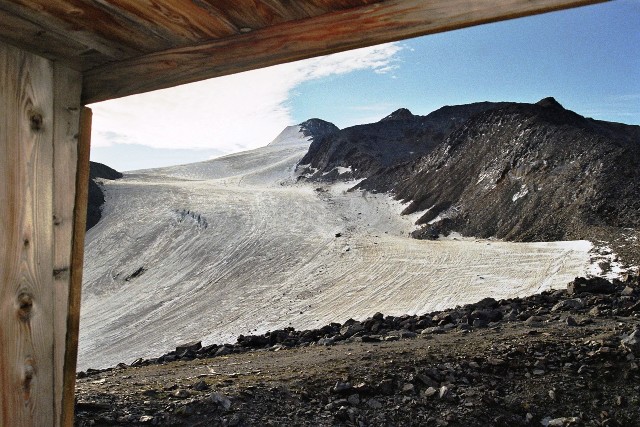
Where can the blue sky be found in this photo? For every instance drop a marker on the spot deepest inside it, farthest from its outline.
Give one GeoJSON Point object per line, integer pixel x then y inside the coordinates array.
{"type": "Point", "coordinates": [587, 58]}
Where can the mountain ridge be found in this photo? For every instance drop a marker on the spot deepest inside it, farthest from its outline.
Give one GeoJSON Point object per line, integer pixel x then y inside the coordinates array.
{"type": "Point", "coordinates": [516, 171]}
{"type": "Point", "coordinates": [98, 171]}
{"type": "Point", "coordinates": [393, 140]}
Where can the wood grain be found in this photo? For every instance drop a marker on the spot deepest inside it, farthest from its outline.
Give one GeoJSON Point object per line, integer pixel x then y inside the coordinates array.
{"type": "Point", "coordinates": [332, 32]}
{"type": "Point", "coordinates": [25, 34]}
{"type": "Point", "coordinates": [76, 17]}
{"type": "Point", "coordinates": [77, 258]}
{"type": "Point", "coordinates": [67, 109]}
{"type": "Point", "coordinates": [54, 28]}
{"type": "Point", "coordinates": [26, 233]}
{"type": "Point", "coordinates": [179, 22]}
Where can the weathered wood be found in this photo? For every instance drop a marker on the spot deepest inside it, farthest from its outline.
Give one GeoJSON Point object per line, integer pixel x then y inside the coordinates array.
{"type": "Point", "coordinates": [27, 35]}
{"type": "Point", "coordinates": [67, 107]}
{"type": "Point", "coordinates": [77, 258]}
{"type": "Point", "coordinates": [39, 120]}
{"type": "Point", "coordinates": [132, 46]}
{"type": "Point", "coordinates": [338, 31]}
{"type": "Point", "coordinates": [26, 232]}
{"type": "Point", "coordinates": [108, 26]}
{"type": "Point", "coordinates": [179, 22]}
{"type": "Point", "coordinates": [61, 29]}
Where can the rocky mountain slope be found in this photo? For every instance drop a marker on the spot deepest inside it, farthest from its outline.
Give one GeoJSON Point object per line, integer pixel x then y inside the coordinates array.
{"type": "Point", "coordinates": [360, 151]}
{"type": "Point", "coordinates": [98, 171]}
{"type": "Point", "coordinates": [520, 172]}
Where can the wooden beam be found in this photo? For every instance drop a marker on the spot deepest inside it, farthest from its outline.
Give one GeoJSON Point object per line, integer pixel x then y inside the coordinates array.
{"type": "Point", "coordinates": [52, 27]}
{"type": "Point", "coordinates": [67, 109]}
{"type": "Point", "coordinates": [26, 232]}
{"type": "Point", "coordinates": [65, 127]}
{"type": "Point", "coordinates": [77, 258]}
{"type": "Point", "coordinates": [39, 120]}
{"type": "Point", "coordinates": [25, 34]}
{"type": "Point", "coordinates": [333, 32]}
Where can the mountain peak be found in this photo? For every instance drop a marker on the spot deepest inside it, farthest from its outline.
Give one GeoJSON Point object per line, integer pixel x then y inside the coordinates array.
{"type": "Point", "coordinates": [317, 127]}
{"type": "Point", "coordinates": [304, 132]}
{"type": "Point", "coordinates": [550, 102]}
{"type": "Point", "coordinates": [399, 114]}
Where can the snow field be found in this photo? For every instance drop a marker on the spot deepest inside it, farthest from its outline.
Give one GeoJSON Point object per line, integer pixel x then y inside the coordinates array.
{"type": "Point", "coordinates": [235, 246]}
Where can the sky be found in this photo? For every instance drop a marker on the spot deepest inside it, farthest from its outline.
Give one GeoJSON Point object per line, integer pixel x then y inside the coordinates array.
{"type": "Point", "coordinates": [588, 58]}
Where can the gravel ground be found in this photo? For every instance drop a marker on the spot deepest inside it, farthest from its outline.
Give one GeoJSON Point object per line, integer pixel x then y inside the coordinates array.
{"type": "Point", "coordinates": [560, 358]}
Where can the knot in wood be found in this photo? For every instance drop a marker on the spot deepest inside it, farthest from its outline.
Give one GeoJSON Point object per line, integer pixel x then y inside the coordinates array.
{"type": "Point", "coordinates": [29, 369]}
{"type": "Point", "coordinates": [36, 121]}
{"type": "Point", "coordinates": [25, 305]}
{"type": "Point", "coordinates": [28, 372]}
{"type": "Point", "coordinates": [61, 273]}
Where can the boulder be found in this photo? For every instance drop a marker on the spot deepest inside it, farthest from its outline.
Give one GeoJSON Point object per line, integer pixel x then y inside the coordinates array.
{"type": "Point", "coordinates": [632, 342]}
{"type": "Point", "coordinates": [593, 285]}
{"type": "Point", "coordinates": [190, 346]}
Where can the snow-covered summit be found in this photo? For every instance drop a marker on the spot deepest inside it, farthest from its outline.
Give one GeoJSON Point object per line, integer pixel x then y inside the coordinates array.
{"type": "Point", "coordinates": [306, 131]}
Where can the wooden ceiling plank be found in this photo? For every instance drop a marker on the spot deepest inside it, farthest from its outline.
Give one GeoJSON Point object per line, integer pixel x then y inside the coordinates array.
{"type": "Point", "coordinates": [87, 17]}
{"type": "Point", "coordinates": [291, 9]}
{"type": "Point", "coordinates": [180, 21]}
{"type": "Point", "coordinates": [288, 10]}
{"type": "Point", "coordinates": [26, 35]}
{"type": "Point", "coordinates": [221, 15]}
{"type": "Point", "coordinates": [176, 23]}
{"type": "Point", "coordinates": [377, 23]}
{"type": "Point", "coordinates": [334, 5]}
{"type": "Point", "coordinates": [52, 25]}
{"type": "Point", "coordinates": [246, 14]}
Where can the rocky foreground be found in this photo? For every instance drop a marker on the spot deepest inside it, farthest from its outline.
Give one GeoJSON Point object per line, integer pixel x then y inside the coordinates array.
{"type": "Point", "coordinates": [560, 358]}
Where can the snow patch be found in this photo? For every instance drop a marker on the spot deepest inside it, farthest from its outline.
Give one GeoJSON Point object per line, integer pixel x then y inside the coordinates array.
{"type": "Point", "coordinates": [488, 176]}
{"type": "Point", "coordinates": [484, 175]}
{"type": "Point", "coordinates": [448, 213]}
{"type": "Point", "coordinates": [291, 135]}
{"type": "Point", "coordinates": [520, 194]}
{"type": "Point", "coordinates": [341, 170]}
{"type": "Point", "coordinates": [605, 263]}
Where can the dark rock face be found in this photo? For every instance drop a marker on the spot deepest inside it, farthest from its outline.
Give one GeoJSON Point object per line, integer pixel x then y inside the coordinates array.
{"type": "Point", "coordinates": [399, 114]}
{"type": "Point", "coordinates": [98, 170]}
{"type": "Point", "coordinates": [596, 285]}
{"type": "Point", "coordinates": [525, 172]}
{"type": "Point", "coordinates": [317, 128]}
{"type": "Point", "coordinates": [96, 195]}
{"type": "Point", "coordinates": [520, 172]}
{"type": "Point", "coordinates": [394, 140]}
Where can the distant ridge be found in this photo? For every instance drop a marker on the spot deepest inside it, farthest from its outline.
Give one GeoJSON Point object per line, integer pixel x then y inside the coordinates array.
{"type": "Point", "coordinates": [317, 128]}
{"type": "Point", "coordinates": [96, 195]}
{"type": "Point", "coordinates": [522, 172]}
{"type": "Point", "coordinates": [306, 131]}
{"type": "Point", "coordinates": [396, 139]}
{"type": "Point", "coordinates": [400, 114]}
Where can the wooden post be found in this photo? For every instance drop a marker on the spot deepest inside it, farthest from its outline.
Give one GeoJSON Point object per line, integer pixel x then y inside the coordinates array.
{"type": "Point", "coordinates": [39, 122]}
{"type": "Point", "coordinates": [77, 259]}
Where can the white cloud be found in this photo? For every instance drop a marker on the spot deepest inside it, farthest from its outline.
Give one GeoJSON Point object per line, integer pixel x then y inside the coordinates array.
{"type": "Point", "coordinates": [231, 113]}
